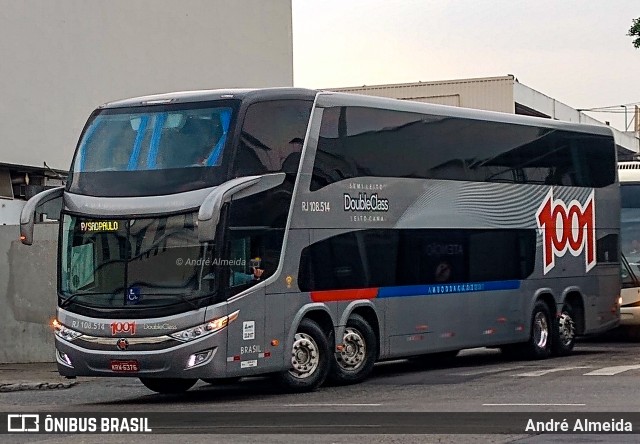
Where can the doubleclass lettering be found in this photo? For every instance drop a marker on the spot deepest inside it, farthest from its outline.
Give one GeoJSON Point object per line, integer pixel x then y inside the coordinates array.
{"type": "Point", "coordinates": [365, 203]}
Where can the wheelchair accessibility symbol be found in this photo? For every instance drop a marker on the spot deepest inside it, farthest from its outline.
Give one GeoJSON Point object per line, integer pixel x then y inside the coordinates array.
{"type": "Point", "coordinates": [133, 295]}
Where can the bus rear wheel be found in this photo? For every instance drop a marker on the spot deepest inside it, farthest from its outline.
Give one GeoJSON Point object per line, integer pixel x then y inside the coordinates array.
{"type": "Point", "coordinates": [539, 344]}
{"type": "Point", "coordinates": [309, 359]}
{"type": "Point", "coordinates": [354, 362]}
{"type": "Point", "coordinates": [168, 385]}
{"type": "Point", "coordinates": [565, 332]}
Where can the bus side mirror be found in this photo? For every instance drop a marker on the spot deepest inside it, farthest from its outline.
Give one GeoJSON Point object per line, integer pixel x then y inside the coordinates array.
{"type": "Point", "coordinates": [27, 216]}
{"type": "Point", "coordinates": [209, 213]}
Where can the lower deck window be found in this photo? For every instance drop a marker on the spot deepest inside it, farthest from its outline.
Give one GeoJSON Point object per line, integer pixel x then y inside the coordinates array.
{"type": "Point", "coordinates": [382, 258]}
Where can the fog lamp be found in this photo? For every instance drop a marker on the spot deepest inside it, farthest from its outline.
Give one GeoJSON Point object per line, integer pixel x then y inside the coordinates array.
{"type": "Point", "coordinates": [63, 358]}
{"type": "Point", "coordinates": [199, 358]}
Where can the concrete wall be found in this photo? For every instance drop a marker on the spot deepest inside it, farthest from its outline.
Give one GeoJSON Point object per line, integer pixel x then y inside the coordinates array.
{"type": "Point", "coordinates": [27, 294]}
{"type": "Point", "coordinates": [61, 59]}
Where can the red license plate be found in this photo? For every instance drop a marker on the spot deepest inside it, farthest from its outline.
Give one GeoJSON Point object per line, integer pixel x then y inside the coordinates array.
{"type": "Point", "coordinates": [125, 366]}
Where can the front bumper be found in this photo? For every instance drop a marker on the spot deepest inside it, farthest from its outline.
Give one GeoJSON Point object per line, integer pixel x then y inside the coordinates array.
{"type": "Point", "coordinates": [158, 357]}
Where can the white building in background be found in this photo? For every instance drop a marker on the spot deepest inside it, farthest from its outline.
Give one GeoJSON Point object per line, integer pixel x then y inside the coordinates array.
{"type": "Point", "coordinates": [61, 59]}
{"type": "Point", "coordinates": [503, 94]}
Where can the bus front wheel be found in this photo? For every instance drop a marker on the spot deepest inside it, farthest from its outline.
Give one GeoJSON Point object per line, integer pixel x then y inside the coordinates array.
{"type": "Point", "coordinates": [309, 359]}
{"type": "Point", "coordinates": [354, 362]}
{"type": "Point", "coordinates": [168, 385]}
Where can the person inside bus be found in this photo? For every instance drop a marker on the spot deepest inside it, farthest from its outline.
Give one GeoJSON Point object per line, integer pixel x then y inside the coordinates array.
{"type": "Point", "coordinates": [240, 278]}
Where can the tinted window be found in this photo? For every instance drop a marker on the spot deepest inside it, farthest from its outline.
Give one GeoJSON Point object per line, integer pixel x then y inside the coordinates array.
{"type": "Point", "coordinates": [607, 248]}
{"type": "Point", "coordinates": [356, 141]}
{"type": "Point", "coordinates": [135, 263]}
{"type": "Point", "coordinates": [382, 258]}
{"type": "Point", "coordinates": [154, 150]}
{"type": "Point", "coordinates": [254, 235]}
{"type": "Point", "coordinates": [271, 137]}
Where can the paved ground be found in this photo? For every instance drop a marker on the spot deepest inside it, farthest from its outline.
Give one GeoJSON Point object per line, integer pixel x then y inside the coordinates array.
{"type": "Point", "coordinates": [36, 376]}
{"type": "Point", "coordinates": [601, 376]}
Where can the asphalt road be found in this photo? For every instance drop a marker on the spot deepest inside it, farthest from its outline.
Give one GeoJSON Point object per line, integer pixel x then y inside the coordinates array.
{"type": "Point", "coordinates": [600, 376]}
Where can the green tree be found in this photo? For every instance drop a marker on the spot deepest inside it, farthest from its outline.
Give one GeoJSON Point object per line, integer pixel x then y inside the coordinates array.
{"type": "Point", "coordinates": [634, 31]}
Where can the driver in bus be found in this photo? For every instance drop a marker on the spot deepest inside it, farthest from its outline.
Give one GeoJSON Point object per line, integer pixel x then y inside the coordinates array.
{"type": "Point", "coordinates": [241, 278]}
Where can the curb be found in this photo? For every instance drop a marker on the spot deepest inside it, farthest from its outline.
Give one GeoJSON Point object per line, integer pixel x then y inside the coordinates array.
{"type": "Point", "coordinates": [23, 386]}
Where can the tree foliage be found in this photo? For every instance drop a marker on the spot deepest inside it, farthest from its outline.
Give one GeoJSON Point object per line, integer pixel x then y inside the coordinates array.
{"type": "Point", "coordinates": [634, 31]}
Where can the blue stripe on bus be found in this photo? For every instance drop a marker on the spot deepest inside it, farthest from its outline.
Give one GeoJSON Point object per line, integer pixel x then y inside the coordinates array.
{"type": "Point", "coordinates": [424, 290]}
{"type": "Point", "coordinates": [83, 149]}
{"type": "Point", "coordinates": [155, 140]}
{"type": "Point", "coordinates": [214, 157]}
{"type": "Point", "coordinates": [137, 144]}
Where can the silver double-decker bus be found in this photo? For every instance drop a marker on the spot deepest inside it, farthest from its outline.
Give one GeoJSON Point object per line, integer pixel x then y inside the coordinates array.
{"type": "Point", "coordinates": [229, 233]}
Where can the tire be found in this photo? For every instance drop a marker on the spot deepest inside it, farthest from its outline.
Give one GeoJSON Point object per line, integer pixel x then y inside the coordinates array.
{"type": "Point", "coordinates": [168, 385]}
{"type": "Point", "coordinates": [309, 359]}
{"type": "Point", "coordinates": [564, 332]}
{"type": "Point", "coordinates": [541, 338]}
{"type": "Point", "coordinates": [222, 381]}
{"type": "Point", "coordinates": [360, 351]}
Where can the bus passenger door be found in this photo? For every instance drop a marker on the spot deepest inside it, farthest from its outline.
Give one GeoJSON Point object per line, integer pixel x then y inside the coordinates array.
{"type": "Point", "coordinates": [253, 242]}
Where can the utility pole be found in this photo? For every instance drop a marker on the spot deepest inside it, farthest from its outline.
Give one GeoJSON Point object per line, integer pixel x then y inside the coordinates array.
{"type": "Point", "coordinates": [626, 125]}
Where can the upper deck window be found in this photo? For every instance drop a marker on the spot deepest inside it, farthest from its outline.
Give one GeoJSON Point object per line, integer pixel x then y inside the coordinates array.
{"type": "Point", "coordinates": [272, 137]}
{"type": "Point", "coordinates": [153, 150]}
{"type": "Point", "coordinates": [154, 140]}
{"type": "Point", "coordinates": [359, 142]}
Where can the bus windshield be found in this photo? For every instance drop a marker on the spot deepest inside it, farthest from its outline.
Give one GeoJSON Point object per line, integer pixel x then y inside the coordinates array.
{"type": "Point", "coordinates": [630, 223]}
{"type": "Point", "coordinates": [137, 263]}
{"type": "Point", "coordinates": [153, 150]}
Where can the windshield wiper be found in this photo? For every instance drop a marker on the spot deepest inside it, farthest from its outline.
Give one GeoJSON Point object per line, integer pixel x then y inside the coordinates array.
{"type": "Point", "coordinates": [70, 299]}
{"type": "Point", "coordinates": [184, 297]}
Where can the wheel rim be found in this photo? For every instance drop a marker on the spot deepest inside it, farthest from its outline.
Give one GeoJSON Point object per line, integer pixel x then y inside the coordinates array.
{"type": "Point", "coordinates": [567, 329]}
{"type": "Point", "coordinates": [540, 330]}
{"type": "Point", "coordinates": [354, 350]}
{"type": "Point", "coordinates": [305, 356]}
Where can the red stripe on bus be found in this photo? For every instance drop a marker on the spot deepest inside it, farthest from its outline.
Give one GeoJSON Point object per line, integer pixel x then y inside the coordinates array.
{"type": "Point", "coordinates": [344, 295]}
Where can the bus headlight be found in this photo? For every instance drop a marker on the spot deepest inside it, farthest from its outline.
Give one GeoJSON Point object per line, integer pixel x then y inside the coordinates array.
{"type": "Point", "coordinates": [205, 329]}
{"type": "Point", "coordinates": [63, 332]}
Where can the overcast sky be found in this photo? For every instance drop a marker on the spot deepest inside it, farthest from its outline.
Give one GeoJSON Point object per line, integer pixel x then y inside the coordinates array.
{"type": "Point", "coordinates": [574, 51]}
